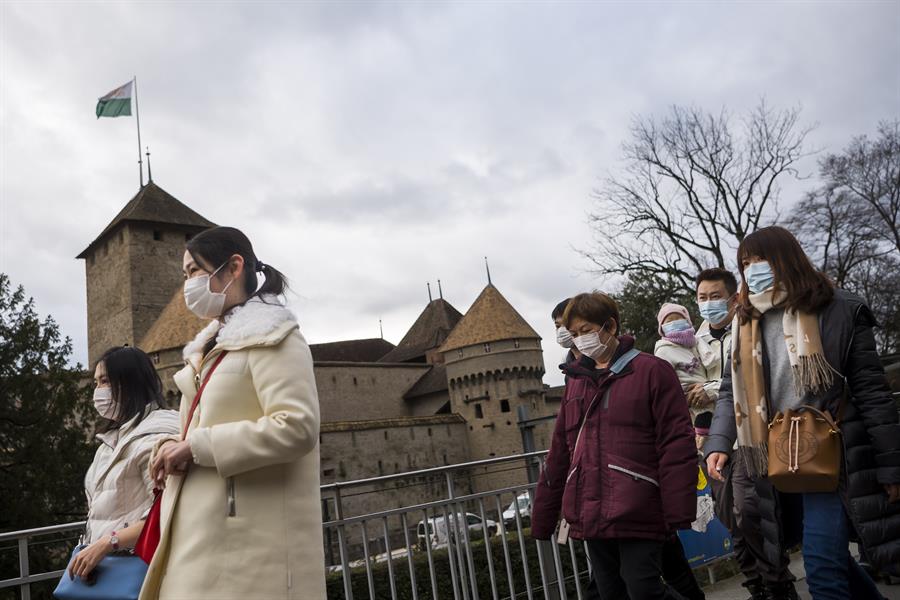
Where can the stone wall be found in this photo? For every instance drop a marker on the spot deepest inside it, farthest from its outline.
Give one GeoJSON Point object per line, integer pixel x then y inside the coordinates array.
{"type": "Point", "coordinates": [360, 391]}
{"type": "Point", "coordinates": [109, 315]}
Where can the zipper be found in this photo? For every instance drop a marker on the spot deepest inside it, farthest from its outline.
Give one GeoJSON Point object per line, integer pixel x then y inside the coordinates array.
{"type": "Point", "coordinates": [229, 491]}
{"type": "Point", "coordinates": [633, 474]}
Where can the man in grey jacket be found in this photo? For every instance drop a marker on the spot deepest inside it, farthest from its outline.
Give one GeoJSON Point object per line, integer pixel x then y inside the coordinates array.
{"type": "Point", "coordinates": [736, 501]}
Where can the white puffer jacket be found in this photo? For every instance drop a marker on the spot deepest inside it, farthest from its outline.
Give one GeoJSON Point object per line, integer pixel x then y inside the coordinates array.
{"type": "Point", "coordinates": [118, 485]}
{"type": "Point", "coordinates": [692, 365]}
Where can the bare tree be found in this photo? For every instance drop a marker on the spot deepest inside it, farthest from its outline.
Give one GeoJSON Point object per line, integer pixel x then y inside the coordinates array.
{"type": "Point", "coordinates": [869, 173]}
{"type": "Point", "coordinates": [693, 187]}
{"type": "Point", "coordinates": [849, 225]}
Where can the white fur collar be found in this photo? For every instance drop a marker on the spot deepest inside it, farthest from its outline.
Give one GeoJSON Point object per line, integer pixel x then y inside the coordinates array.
{"type": "Point", "coordinates": [261, 321]}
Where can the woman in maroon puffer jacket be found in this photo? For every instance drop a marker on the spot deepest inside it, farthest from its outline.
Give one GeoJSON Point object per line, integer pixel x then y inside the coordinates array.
{"type": "Point", "coordinates": [623, 442]}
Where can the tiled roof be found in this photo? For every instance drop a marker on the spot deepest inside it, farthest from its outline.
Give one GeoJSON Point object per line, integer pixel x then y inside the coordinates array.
{"type": "Point", "coordinates": [428, 332]}
{"type": "Point", "coordinates": [152, 204]}
{"type": "Point", "coordinates": [174, 328]}
{"type": "Point", "coordinates": [368, 350]}
{"type": "Point", "coordinates": [434, 381]}
{"type": "Point", "coordinates": [491, 318]}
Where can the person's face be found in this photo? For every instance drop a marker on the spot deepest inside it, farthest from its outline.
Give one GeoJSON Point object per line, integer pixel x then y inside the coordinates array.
{"type": "Point", "coordinates": [230, 271]}
{"type": "Point", "coordinates": [749, 260]}
{"type": "Point", "coordinates": [579, 326]}
{"type": "Point", "coordinates": [713, 290]}
{"type": "Point", "coordinates": [100, 377]}
{"type": "Point", "coordinates": [672, 317]}
{"type": "Point", "coordinates": [558, 322]}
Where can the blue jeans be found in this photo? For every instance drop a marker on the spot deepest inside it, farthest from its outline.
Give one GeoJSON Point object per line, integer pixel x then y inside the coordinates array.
{"type": "Point", "coordinates": [831, 573]}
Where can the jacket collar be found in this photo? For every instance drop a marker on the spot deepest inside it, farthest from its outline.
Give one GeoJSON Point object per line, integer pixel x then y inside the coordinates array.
{"type": "Point", "coordinates": [586, 367]}
{"type": "Point", "coordinates": [259, 322]}
{"type": "Point", "coordinates": [154, 421]}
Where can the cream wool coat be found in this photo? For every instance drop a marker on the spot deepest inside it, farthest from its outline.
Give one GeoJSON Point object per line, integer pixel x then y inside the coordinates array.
{"type": "Point", "coordinates": [117, 484]}
{"type": "Point", "coordinates": [245, 522]}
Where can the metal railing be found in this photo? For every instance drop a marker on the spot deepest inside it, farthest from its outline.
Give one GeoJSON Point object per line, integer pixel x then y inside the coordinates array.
{"type": "Point", "coordinates": [460, 545]}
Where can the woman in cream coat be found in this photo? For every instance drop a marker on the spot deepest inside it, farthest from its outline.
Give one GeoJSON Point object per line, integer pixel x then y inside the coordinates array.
{"type": "Point", "coordinates": [241, 515]}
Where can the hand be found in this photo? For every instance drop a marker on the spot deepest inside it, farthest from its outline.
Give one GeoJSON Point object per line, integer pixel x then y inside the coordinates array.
{"type": "Point", "coordinates": [173, 458]}
{"type": "Point", "coordinates": [893, 492]}
{"type": "Point", "coordinates": [697, 396]}
{"type": "Point", "coordinates": [89, 558]}
{"type": "Point", "coordinates": [715, 464]}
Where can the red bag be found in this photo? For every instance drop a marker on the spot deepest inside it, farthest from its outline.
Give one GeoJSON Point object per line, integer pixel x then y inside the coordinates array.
{"type": "Point", "coordinates": [150, 534]}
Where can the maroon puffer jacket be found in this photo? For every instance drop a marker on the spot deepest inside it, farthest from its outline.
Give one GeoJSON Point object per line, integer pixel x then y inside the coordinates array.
{"type": "Point", "coordinates": [637, 448]}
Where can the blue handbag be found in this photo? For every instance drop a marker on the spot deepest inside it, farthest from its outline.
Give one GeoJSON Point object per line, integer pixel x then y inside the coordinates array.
{"type": "Point", "coordinates": [117, 577]}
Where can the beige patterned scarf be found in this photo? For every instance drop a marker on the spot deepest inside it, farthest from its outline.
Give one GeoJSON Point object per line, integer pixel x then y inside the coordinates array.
{"type": "Point", "coordinates": [812, 373]}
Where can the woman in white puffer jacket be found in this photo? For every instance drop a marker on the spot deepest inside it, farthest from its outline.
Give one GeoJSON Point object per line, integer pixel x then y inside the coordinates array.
{"type": "Point", "coordinates": [119, 488]}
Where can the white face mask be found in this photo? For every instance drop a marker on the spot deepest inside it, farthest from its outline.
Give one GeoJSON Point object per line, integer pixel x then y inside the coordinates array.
{"type": "Point", "coordinates": [202, 301]}
{"type": "Point", "coordinates": [590, 345]}
{"type": "Point", "coordinates": [103, 402]}
{"type": "Point", "coordinates": [564, 338]}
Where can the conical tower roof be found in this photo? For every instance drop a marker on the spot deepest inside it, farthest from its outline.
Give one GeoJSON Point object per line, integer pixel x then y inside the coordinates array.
{"type": "Point", "coordinates": [427, 333]}
{"type": "Point", "coordinates": [175, 327]}
{"type": "Point", "coordinates": [152, 204]}
{"type": "Point", "coordinates": [491, 318]}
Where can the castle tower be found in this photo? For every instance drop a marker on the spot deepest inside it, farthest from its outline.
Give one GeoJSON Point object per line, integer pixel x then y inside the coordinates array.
{"type": "Point", "coordinates": [494, 364]}
{"type": "Point", "coordinates": [134, 266]}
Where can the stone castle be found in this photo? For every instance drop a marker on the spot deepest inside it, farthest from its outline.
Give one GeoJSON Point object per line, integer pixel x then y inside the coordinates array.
{"type": "Point", "coordinates": [447, 393]}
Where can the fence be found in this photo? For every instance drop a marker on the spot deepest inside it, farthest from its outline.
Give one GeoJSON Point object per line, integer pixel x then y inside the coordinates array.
{"type": "Point", "coordinates": [465, 546]}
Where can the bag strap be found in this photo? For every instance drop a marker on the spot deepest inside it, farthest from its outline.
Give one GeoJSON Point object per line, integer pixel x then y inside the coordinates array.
{"type": "Point", "coordinates": [199, 393]}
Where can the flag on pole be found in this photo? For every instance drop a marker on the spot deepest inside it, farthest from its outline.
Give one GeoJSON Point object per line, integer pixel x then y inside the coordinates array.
{"type": "Point", "coordinates": [117, 103]}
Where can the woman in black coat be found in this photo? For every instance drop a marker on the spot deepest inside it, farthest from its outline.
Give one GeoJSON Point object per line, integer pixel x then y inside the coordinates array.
{"type": "Point", "coordinates": [799, 341]}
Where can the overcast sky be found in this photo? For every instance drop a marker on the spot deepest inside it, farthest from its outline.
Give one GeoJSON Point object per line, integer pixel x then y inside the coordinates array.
{"type": "Point", "coordinates": [367, 148]}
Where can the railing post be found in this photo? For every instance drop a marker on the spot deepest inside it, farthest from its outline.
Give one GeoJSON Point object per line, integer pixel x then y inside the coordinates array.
{"type": "Point", "coordinates": [342, 542]}
{"type": "Point", "coordinates": [25, 588]}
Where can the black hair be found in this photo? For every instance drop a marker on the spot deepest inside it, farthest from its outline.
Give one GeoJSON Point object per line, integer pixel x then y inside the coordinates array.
{"type": "Point", "coordinates": [717, 274]}
{"type": "Point", "coordinates": [134, 382]}
{"type": "Point", "coordinates": [214, 247]}
{"type": "Point", "coordinates": [560, 309]}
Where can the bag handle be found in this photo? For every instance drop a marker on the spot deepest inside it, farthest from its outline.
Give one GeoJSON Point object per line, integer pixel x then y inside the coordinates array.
{"type": "Point", "coordinates": [199, 393]}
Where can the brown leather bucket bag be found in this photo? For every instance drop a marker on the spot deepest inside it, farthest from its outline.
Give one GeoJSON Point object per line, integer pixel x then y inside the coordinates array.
{"type": "Point", "coordinates": [804, 451]}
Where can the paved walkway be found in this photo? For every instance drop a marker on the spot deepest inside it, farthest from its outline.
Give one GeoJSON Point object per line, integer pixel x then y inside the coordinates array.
{"type": "Point", "coordinates": [731, 589]}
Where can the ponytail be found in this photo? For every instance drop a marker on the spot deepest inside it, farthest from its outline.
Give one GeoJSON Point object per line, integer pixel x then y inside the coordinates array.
{"type": "Point", "coordinates": [215, 246]}
{"type": "Point", "coordinates": [275, 283]}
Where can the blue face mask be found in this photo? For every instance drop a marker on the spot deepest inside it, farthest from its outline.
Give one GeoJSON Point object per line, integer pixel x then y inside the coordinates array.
{"type": "Point", "coordinates": [759, 277]}
{"type": "Point", "coordinates": [714, 311]}
{"type": "Point", "coordinates": [674, 326]}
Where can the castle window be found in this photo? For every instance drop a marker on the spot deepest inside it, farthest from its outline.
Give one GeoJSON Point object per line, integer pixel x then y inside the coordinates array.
{"type": "Point", "coordinates": [157, 235]}
{"type": "Point", "coordinates": [328, 473]}
{"type": "Point", "coordinates": [188, 236]}
{"type": "Point", "coordinates": [385, 435]}
{"type": "Point", "coordinates": [445, 458]}
{"type": "Point", "coordinates": [459, 353]}
{"type": "Point", "coordinates": [504, 406]}
{"type": "Point", "coordinates": [487, 348]}
{"type": "Point", "coordinates": [342, 471]}
{"type": "Point", "coordinates": [516, 343]}
{"type": "Point", "coordinates": [156, 357]}
{"type": "Point", "coordinates": [380, 468]}
{"type": "Point", "coordinates": [354, 381]}
{"type": "Point", "coordinates": [479, 414]}
{"type": "Point", "coordinates": [429, 432]}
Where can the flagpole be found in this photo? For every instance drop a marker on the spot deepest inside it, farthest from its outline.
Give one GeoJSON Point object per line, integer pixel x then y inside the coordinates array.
{"type": "Point", "coordinates": [137, 113]}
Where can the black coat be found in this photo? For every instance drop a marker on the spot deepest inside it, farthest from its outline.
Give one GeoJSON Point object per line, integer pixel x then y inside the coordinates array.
{"type": "Point", "coordinates": [871, 435]}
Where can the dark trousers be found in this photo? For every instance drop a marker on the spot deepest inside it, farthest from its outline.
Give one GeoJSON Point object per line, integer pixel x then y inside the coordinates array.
{"type": "Point", "coordinates": [737, 507]}
{"type": "Point", "coordinates": [629, 568]}
{"type": "Point", "coordinates": [677, 570]}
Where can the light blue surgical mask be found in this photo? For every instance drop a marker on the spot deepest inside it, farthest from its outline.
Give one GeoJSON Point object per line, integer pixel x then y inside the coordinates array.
{"type": "Point", "coordinates": [673, 326]}
{"type": "Point", "coordinates": [714, 311]}
{"type": "Point", "coordinates": [759, 276]}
